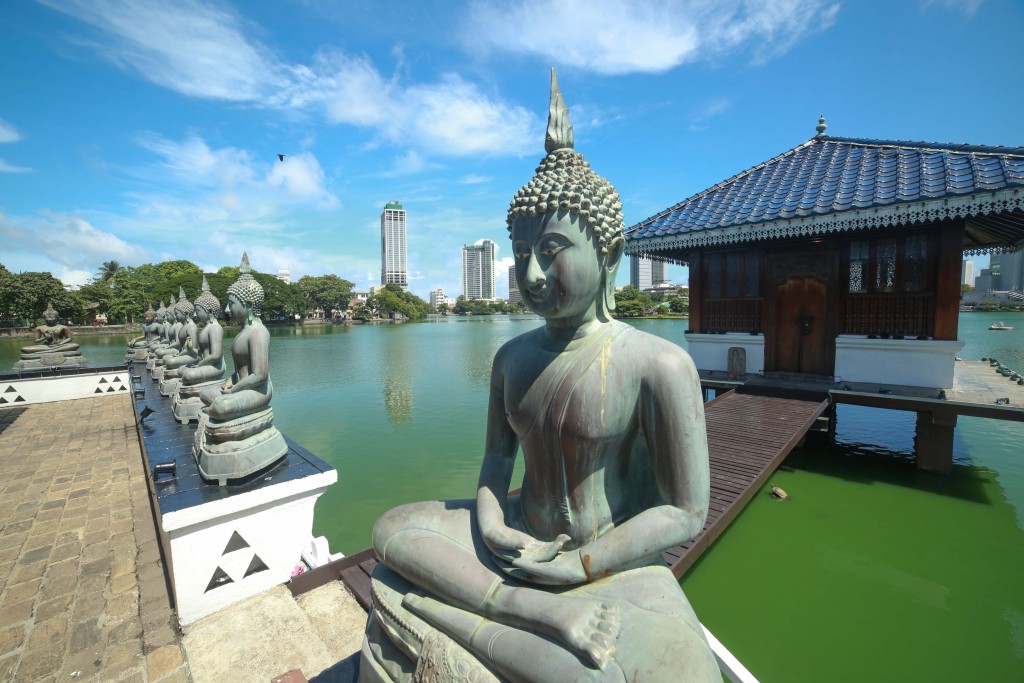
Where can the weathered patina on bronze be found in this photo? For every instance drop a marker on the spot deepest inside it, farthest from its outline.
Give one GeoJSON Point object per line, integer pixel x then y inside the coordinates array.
{"type": "Point", "coordinates": [236, 435]}
{"type": "Point", "coordinates": [209, 369]}
{"type": "Point", "coordinates": [53, 346]}
{"type": "Point", "coordinates": [564, 581]}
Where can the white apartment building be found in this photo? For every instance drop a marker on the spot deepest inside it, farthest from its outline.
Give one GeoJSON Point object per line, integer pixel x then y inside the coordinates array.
{"type": "Point", "coordinates": [514, 295]}
{"type": "Point", "coordinates": [478, 270]}
{"type": "Point", "coordinates": [645, 273]}
{"type": "Point", "coordinates": [393, 260]}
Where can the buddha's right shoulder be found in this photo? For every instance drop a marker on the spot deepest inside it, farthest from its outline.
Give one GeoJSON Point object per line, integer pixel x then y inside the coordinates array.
{"type": "Point", "coordinates": [515, 346]}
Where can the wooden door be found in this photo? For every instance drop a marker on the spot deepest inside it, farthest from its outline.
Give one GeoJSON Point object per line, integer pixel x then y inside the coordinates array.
{"type": "Point", "coordinates": [801, 327]}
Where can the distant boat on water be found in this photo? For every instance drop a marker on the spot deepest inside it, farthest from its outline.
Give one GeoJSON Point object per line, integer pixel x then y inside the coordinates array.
{"type": "Point", "coordinates": [1000, 326]}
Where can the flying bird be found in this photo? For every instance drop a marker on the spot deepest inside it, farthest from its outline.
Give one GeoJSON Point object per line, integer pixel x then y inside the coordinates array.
{"type": "Point", "coordinates": [281, 157]}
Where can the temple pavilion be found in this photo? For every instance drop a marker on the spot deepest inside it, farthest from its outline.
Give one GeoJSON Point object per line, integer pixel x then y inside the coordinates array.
{"type": "Point", "coordinates": [840, 258]}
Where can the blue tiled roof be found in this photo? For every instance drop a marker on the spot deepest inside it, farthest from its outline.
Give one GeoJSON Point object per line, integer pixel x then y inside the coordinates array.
{"type": "Point", "coordinates": [829, 174]}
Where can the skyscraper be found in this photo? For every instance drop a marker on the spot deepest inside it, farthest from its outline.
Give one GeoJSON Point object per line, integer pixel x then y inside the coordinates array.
{"type": "Point", "coordinates": [393, 266]}
{"type": "Point", "coordinates": [478, 270]}
{"type": "Point", "coordinates": [645, 273]}
{"type": "Point", "coordinates": [514, 295]}
{"type": "Point", "coordinates": [967, 273]}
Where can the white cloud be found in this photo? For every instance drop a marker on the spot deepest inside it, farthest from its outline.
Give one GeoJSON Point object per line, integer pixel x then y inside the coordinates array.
{"type": "Point", "coordinates": [473, 179]}
{"type": "Point", "coordinates": [967, 7]}
{"type": "Point", "coordinates": [410, 163]}
{"type": "Point", "coordinates": [302, 179]}
{"type": "Point", "coordinates": [186, 46]}
{"type": "Point", "coordinates": [451, 117]}
{"type": "Point", "coordinates": [11, 168]}
{"type": "Point", "coordinates": [8, 133]}
{"type": "Point", "coordinates": [75, 278]}
{"type": "Point", "coordinates": [241, 184]}
{"type": "Point", "coordinates": [67, 240]}
{"type": "Point", "coordinates": [202, 51]}
{"type": "Point", "coordinates": [650, 36]}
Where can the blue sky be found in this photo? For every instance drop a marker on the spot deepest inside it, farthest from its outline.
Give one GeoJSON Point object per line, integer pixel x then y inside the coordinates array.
{"type": "Point", "coordinates": [144, 131]}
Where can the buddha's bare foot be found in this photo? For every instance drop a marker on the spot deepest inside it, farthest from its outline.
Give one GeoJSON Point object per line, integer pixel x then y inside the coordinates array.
{"type": "Point", "coordinates": [587, 626]}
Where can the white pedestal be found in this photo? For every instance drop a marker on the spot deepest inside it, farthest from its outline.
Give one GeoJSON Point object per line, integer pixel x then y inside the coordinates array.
{"type": "Point", "coordinates": [711, 351]}
{"type": "Point", "coordinates": [908, 362]}
{"type": "Point", "coordinates": [227, 550]}
{"type": "Point", "coordinates": [37, 389]}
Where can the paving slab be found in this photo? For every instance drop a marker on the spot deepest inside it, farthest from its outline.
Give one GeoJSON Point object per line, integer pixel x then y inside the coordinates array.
{"type": "Point", "coordinates": [76, 533]}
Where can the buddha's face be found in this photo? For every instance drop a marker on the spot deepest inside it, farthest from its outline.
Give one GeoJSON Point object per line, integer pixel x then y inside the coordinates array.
{"type": "Point", "coordinates": [558, 266]}
{"type": "Point", "coordinates": [50, 319]}
{"type": "Point", "coordinates": [236, 309]}
{"type": "Point", "coordinates": [179, 315]}
{"type": "Point", "coordinates": [201, 314]}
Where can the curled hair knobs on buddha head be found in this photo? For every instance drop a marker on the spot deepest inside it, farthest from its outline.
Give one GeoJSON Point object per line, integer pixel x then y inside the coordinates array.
{"type": "Point", "coordinates": [564, 181]}
{"type": "Point", "coordinates": [246, 288]}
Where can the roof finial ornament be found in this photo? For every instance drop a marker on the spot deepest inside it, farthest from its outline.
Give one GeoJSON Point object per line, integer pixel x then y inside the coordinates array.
{"type": "Point", "coordinates": [821, 126]}
{"type": "Point", "coordinates": [559, 135]}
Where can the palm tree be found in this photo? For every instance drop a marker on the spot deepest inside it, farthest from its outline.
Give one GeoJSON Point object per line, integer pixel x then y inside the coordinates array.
{"type": "Point", "coordinates": [108, 272]}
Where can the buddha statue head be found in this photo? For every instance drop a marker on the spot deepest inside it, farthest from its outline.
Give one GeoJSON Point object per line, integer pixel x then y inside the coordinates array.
{"type": "Point", "coordinates": [170, 308]}
{"type": "Point", "coordinates": [207, 305]}
{"type": "Point", "coordinates": [566, 204]}
{"type": "Point", "coordinates": [161, 313]}
{"type": "Point", "coordinates": [245, 295]}
{"type": "Point", "coordinates": [50, 314]}
{"type": "Point", "coordinates": [184, 308]}
{"type": "Point", "coordinates": [150, 314]}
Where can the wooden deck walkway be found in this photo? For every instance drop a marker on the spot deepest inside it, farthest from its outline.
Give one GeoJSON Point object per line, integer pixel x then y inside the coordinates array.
{"type": "Point", "coordinates": [749, 435]}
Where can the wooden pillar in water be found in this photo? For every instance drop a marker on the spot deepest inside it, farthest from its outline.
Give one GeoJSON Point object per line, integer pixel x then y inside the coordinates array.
{"type": "Point", "coordinates": [933, 441]}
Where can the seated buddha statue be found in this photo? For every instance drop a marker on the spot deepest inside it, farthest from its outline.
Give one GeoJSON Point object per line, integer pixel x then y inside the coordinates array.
{"type": "Point", "coordinates": [564, 581]}
{"type": "Point", "coordinates": [236, 436]}
{"type": "Point", "coordinates": [52, 347]}
{"type": "Point", "coordinates": [162, 327]}
{"type": "Point", "coordinates": [208, 370]}
{"type": "Point", "coordinates": [150, 331]}
{"type": "Point", "coordinates": [188, 344]}
{"type": "Point", "coordinates": [172, 325]}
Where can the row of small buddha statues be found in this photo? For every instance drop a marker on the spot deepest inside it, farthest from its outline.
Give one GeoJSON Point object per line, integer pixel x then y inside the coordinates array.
{"type": "Point", "coordinates": [563, 580]}
{"type": "Point", "coordinates": [183, 347]}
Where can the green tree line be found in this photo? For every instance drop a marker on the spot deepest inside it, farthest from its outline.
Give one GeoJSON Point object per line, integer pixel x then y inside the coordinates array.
{"type": "Point", "coordinates": [124, 293]}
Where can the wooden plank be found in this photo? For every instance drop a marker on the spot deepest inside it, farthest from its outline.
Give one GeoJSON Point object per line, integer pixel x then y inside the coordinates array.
{"type": "Point", "coordinates": [359, 583]}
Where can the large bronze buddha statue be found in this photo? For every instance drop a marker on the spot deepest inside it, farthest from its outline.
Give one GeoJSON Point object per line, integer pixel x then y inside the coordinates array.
{"type": "Point", "coordinates": [208, 370]}
{"type": "Point", "coordinates": [188, 344]}
{"type": "Point", "coordinates": [236, 436]}
{"type": "Point", "coordinates": [565, 580]}
{"type": "Point", "coordinates": [53, 346]}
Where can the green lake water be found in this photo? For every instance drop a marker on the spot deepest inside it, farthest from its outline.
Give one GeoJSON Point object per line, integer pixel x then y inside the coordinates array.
{"type": "Point", "coordinates": [871, 572]}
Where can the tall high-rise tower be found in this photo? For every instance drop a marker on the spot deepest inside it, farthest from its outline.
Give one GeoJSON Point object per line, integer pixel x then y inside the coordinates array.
{"type": "Point", "coordinates": [393, 266]}
{"type": "Point", "coordinates": [478, 270]}
{"type": "Point", "coordinates": [645, 273]}
{"type": "Point", "coordinates": [514, 295]}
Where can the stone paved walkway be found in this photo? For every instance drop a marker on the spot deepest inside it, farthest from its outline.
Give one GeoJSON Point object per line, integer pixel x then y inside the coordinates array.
{"type": "Point", "coordinates": [82, 588]}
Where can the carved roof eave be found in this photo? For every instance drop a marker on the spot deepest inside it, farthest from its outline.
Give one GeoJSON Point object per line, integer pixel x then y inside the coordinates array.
{"type": "Point", "coordinates": [892, 215]}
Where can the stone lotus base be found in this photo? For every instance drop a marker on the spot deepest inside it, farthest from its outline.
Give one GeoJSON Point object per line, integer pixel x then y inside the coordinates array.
{"type": "Point", "coordinates": [233, 449]}
{"type": "Point", "coordinates": [187, 404]}
{"type": "Point", "coordinates": [140, 353]}
{"type": "Point", "coordinates": [660, 638]}
{"type": "Point", "coordinates": [158, 371]}
{"type": "Point", "coordinates": [65, 356]}
{"type": "Point", "coordinates": [168, 385]}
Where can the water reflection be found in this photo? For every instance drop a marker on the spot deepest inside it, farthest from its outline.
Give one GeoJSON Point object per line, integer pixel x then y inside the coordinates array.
{"type": "Point", "coordinates": [396, 363]}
